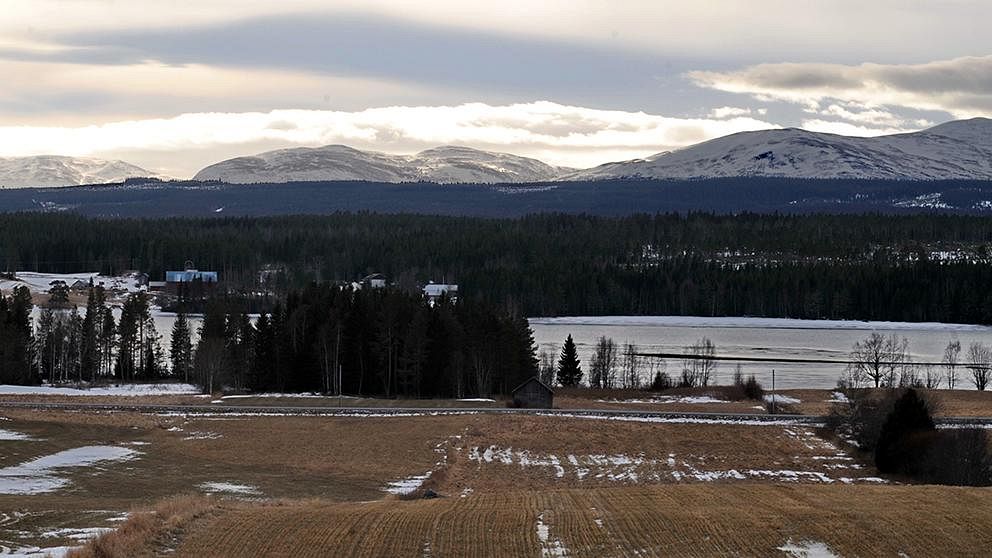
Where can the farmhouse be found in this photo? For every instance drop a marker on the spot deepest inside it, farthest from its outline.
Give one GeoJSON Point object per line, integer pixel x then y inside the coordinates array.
{"type": "Point", "coordinates": [374, 281]}
{"type": "Point", "coordinates": [433, 291]}
{"type": "Point", "coordinates": [533, 394]}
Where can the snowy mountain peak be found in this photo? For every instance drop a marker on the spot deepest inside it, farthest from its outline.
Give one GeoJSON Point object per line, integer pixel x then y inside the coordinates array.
{"type": "Point", "coordinates": [445, 164]}
{"type": "Point", "coordinates": [56, 171]}
{"type": "Point", "coordinates": [956, 150]}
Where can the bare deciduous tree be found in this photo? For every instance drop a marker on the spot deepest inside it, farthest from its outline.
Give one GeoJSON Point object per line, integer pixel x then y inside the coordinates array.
{"type": "Point", "coordinates": [546, 367]}
{"type": "Point", "coordinates": [699, 367]}
{"type": "Point", "coordinates": [980, 362]}
{"type": "Point", "coordinates": [880, 360]}
{"type": "Point", "coordinates": [603, 369]}
{"type": "Point", "coordinates": [950, 360]}
{"type": "Point", "coordinates": [630, 367]}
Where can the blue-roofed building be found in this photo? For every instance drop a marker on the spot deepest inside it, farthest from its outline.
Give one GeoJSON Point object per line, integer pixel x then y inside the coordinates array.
{"type": "Point", "coordinates": [190, 284]}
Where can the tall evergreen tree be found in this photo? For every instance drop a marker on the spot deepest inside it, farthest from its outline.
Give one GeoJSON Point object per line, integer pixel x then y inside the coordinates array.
{"type": "Point", "coordinates": [181, 347]}
{"type": "Point", "coordinates": [569, 370]}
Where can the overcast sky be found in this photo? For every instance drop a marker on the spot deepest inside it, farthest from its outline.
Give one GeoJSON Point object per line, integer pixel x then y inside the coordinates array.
{"type": "Point", "coordinates": [174, 85]}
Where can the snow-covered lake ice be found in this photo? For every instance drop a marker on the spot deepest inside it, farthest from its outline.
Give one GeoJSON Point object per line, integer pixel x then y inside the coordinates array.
{"type": "Point", "coordinates": [757, 337]}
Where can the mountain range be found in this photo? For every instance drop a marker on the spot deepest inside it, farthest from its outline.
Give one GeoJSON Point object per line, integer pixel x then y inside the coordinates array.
{"type": "Point", "coordinates": [55, 170]}
{"type": "Point", "coordinates": [443, 165]}
{"type": "Point", "coordinates": [957, 150]}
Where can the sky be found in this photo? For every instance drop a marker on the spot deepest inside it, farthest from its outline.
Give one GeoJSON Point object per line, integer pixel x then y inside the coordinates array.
{"type": "Point", "coordinates": [175, 85]}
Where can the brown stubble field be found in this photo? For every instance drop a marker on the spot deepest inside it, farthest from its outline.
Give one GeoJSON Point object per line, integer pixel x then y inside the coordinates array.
{"type": "Point", "coordinates": [309, 471]}
{"type": "Point", "coordinates": [748, 519]}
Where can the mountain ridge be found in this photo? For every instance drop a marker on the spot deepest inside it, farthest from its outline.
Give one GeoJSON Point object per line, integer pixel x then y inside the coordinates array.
{"type": "Point", "coordinates": [51, 171]}
{"type": "Point", "coordinates": [447, 164]}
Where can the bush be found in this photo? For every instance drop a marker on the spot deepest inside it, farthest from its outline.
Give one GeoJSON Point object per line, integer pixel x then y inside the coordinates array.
{"type": "Point", "coordinates": [905, 436]}
{"type": "Point", "coordinates": [661, 382]}
{"type": "Point", "coordinates": [753, 389]}
{"type": "Point", "coordinates": [897, 427]}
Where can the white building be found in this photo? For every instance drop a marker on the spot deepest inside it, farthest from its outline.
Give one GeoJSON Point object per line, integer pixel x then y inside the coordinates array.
{"type": "Point", "coordinates": [434, 291]}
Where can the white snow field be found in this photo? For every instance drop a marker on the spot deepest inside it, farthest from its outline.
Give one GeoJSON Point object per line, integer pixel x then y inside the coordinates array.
{"type": "Point", "coordinates": [124, 389]}
{"type": "Point", "coordinates": [41, 474]}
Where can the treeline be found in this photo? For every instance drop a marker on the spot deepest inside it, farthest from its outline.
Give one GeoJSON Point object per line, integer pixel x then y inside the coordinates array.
{"type": "Point", "coordinates": [324, 338]}
{"type": "Point", "coordinates": [65, 346]}
{"type": "Point", "coordinates": [816, 266]}
{"type": "Point", "coordinates": [369, 342]}
{"type": "Point", "coordinates": [15, 338]}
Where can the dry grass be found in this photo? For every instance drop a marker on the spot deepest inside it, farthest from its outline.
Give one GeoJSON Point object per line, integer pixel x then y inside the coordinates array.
{"type": "Point", "coordinates": [682, 520]}
{"type": "Point", "coordinates": [147, 531]}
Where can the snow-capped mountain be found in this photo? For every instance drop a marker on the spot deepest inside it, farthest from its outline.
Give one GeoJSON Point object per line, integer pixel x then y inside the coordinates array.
{"type": "Point", "coordinates": [56, 170]}
{"type": "Point", "coordinates": [955, 150]}
{"type": "Point", "coordinates": [448, 164]}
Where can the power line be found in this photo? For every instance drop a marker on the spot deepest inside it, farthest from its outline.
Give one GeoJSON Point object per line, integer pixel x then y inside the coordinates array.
{"type": "Point", "coordinates": [787, 360]}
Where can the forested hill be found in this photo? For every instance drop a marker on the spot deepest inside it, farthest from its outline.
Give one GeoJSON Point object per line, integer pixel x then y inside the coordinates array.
{"type": "Point", "coordinates": [140, 198]}
{"type": "Point", "coordinates": [913, 268]}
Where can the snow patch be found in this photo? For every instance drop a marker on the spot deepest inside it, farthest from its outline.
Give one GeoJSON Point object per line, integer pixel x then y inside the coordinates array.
{"type": "Point", "coordinates": [38, 475]}
{"type": "Point", "coordinates": [807, 549]}
{"type": "Point", "coordinates": [550, 547]}
{"type": "Point", "coordinates": [406, 486]}
{"type": "Point", "coordinates": [781, 399]}
{"type": "Point", "coordinates": [10, 435]}
{"type": "Point", "coordinates": [229, 488]}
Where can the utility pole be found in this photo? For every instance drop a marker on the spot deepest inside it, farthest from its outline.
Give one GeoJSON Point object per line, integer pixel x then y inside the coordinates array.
{"type": "Point", "coordinates": [774, 398]}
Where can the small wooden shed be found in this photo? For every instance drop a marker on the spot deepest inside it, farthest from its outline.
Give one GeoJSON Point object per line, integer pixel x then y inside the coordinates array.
{"type": "Point", "coordinates": [533, 394]}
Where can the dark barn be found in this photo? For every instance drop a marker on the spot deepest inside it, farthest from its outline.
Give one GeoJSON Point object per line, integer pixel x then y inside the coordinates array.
{"type": "Point", "coordinates": [533, 394]}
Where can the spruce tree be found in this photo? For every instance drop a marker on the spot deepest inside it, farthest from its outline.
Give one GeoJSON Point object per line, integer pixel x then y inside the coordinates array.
{"type": "Point", "coordinates": [181, 349]}
{"type": "Point", "coordinates": [569, 371]}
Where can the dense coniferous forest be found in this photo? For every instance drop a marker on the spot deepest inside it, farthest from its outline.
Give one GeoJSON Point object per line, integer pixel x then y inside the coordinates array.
{"type": "Point", "coordinates": [330, 339]}
{"type": "Point", "coordinates": [913, 268]}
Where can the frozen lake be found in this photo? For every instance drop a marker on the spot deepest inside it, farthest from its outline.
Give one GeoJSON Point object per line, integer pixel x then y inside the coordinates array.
{"type": "Point", "coordinates": [758, 337]}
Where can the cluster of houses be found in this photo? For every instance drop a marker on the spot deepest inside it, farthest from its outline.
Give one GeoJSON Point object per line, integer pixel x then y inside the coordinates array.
{"type": "Point", "coordinates": [432, 291]}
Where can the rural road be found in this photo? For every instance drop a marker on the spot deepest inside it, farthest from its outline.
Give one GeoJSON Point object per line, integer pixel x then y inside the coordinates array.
{"type": "Point", "coordinates": [263, 410]}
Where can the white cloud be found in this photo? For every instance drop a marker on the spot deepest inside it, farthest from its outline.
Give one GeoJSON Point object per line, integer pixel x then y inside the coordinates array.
{"type": "Point", "coordinates": [961, 87]}
{"type": "Point", "coordinates": [733, 112]}
{"type": "Point", "coordinates": [560, 134]}
{"type": "Point", "coordinates": [847, 128]}
{"type": "Point", "coordinates": [713, 28]}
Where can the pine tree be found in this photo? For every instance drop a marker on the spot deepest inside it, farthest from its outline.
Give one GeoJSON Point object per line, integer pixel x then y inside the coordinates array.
{"type": "Point", "coordinates": [181, 350]}
{"type": "Point", "coordinates": [569, 371]}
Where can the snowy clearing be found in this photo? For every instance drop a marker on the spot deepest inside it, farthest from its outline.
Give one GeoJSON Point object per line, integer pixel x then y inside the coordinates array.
{"type": "Point", "coordinates": [764, 323]}
{"type": "Point", "coordinates": [124, 389]}
{"type": "Point", "coordinates": [38, 475]}
{"type": "Point", "coordinates": [229, 488]}
{"type": "Point", "coordinates": [42, 282]}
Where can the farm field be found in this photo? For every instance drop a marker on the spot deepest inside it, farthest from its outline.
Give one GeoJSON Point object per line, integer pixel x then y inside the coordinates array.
{"type": "Point", "coordinates": [524, 476]}
{"type": "Point", "coordinates": [676, 520]}
{"type": "Point", "coordinates": [715, 399]}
